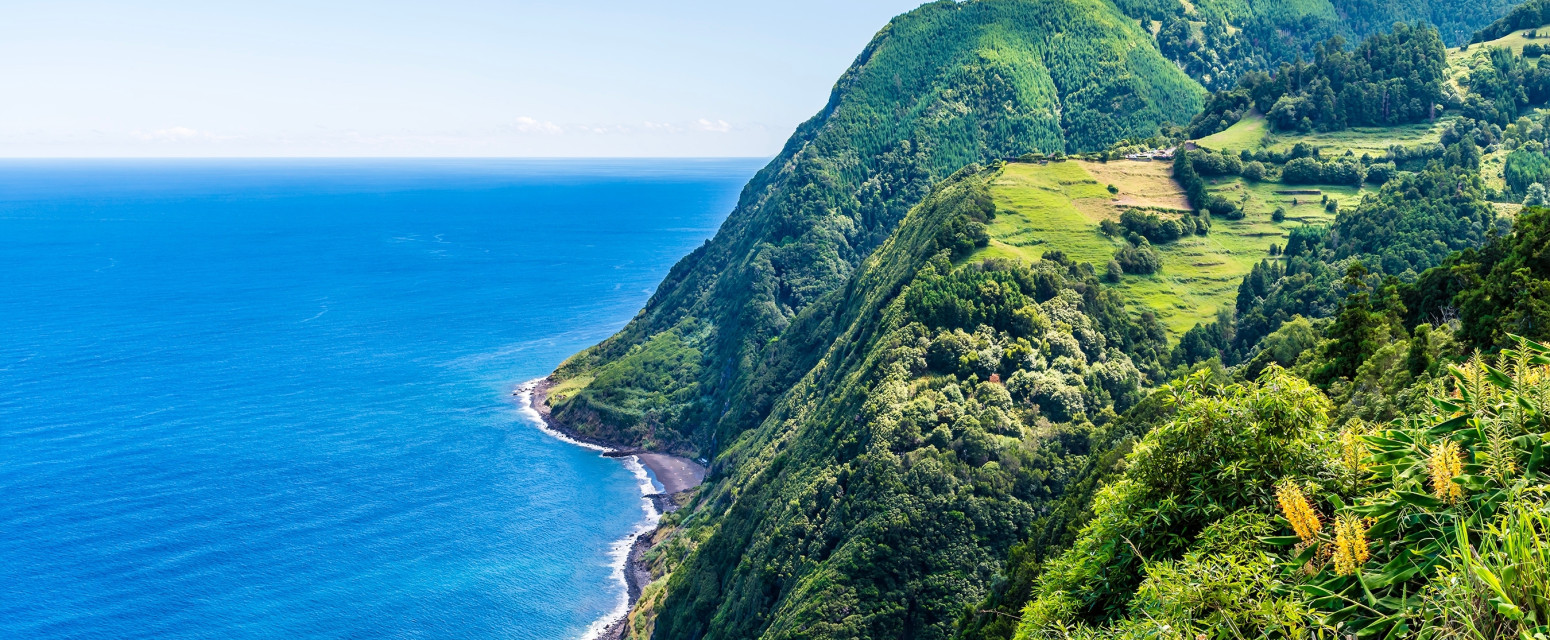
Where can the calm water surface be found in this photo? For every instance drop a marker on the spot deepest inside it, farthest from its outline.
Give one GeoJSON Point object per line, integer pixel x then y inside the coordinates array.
{"type": "Point", "coordinates": [270, 399]}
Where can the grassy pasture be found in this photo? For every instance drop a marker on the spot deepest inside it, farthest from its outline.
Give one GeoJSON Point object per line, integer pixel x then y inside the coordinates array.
{"type": "Point", "coordinates": [1058, 206]}
{"type": "Point", "coordinates": [563, 391]}
{"type": "Point", "coordinates": [1247, 134]}
{"type": "Point", "coordinates": [1253, 134]}
{"type": "Point", "coordinates": [1459, 57]}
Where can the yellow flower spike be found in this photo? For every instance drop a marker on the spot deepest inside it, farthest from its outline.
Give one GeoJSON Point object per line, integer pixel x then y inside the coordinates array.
{"type": "Point", "coordinates": [1445, 464]}
{"type": "Point", "coordinates": [1351, 550]}
{"type": "Point", "coordinates": [1353, 450]}
{"type": "Point", "coordinates": [1295, 506]}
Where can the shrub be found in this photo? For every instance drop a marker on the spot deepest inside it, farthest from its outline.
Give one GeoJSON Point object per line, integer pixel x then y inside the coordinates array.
{"type": "Point", "coordinates": [1537, 196]}
{"type": "Point", "coordinates": [1217, 164]}
{"type": "Point", "coordinates": [1139, 258]}
{"type": "Point", "coordinates": [1345, 171]}
{"type": "Point", "coordinates": [1151, 227]}
{"type": "Point", "coordinates": [1381, 173]}
{"type": "Point", "coordinates": [1302, 171]}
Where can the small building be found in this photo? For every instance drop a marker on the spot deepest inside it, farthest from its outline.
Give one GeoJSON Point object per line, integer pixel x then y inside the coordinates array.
{"type": "Point", "coordinates": [1153, 155]}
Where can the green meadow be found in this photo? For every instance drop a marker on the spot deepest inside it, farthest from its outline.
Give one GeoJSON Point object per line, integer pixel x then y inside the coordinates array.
{"type": "Point", "coordinates": [1248, 134]}
{"type": "Point", "coordinates": [1459, 58]}
{"type": "Point", "coordinates": [1253, 134]}
{"type": "Point", "coordinates": [1042, 208]}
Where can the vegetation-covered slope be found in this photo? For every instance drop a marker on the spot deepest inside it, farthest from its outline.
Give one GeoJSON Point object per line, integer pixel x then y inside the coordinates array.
{"type": "Point", "coordinates": [1456, 20]}
{"type": "Point", "coordinates": [938, 88]}
{"type": "Point", "coordinates": [881, 495]}
{"type": "Point", "coordinates": [1282, 523]}
{"type": "Point", "coordinates": [1529, 15]}
{"type": "Point", "coordinates": [1389, 79]}
{"type": "Point", "coordinates": [1217, 41]}
{"type": "Point", "coordinates": [970, 432]}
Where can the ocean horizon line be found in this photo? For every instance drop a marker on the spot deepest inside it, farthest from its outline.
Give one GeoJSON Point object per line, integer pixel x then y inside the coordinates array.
{"type": "Point", "coordinates": [367, 158]}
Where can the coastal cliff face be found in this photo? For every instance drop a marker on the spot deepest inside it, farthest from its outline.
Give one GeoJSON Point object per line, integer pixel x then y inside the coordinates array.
{"type": "Point", "coordinates": [907, 422]}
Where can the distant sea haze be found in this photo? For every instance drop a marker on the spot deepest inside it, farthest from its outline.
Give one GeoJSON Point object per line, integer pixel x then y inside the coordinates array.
{"type": "Point", "coordinates": [265, 399]}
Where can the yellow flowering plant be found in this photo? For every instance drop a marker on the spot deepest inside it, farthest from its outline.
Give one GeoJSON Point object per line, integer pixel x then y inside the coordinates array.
{"type": "Point", "coordinates": [1429, 487]}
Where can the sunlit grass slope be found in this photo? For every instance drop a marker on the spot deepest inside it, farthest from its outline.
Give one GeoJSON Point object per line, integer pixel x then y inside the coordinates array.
{"type": "Point", "coordinates": [1253, 134]}
{"type": "Point", "coordinates": [1058, 207]}
{"type": "Point", "coordinates": [1248, 134]}
{"type": "Point", "coordinates": [1515, 41]}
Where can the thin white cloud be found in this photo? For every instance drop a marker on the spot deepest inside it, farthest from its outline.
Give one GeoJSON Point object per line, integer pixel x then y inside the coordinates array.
{"type": "Point", "coordinates": [717, 126]}
{"type": "Point", "coordinates": [533, 125]}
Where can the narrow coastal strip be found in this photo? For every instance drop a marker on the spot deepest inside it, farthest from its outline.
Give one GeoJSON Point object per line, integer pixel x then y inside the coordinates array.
{"type": "Point", "coordinates": [675, 474]}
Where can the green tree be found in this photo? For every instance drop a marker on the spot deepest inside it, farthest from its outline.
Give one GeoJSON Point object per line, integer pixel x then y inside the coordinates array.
{"type": "Point", "coordinates": [1357, 332]}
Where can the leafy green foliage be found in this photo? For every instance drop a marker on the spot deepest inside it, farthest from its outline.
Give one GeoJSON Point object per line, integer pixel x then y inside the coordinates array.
{"type": "Point", "coordinates": [1435, 526]}
{"type": "Point", "coordinates": [1456, 20]}
{"type": "Point", "coordinates": [1187, 174]}
{"type": "Point", "coordinates": [1413, 223]}
{"type": "Point", "coordinates": [1524, 167]}
{"type": "Point", "coordinates": [1311, 171]}
{"type": "Point", "coordinates": [1139, 258]}
{"type": "Point", "coordinates": [659, 379]}
{"type": "Point", "coordinates": [1420, 488]}
{"type": "Point", "coordinates": [1496, 291]}
{"type": "Point", "coordinates": [1210, 468]}
{"type": "Point", "coordinates": [1503, 86]}
{"type": "Point", "coordinates": [1217, 41]}
{"type": "Point", "coordinates": [1103, 451]}
{"type": "Point", "coordinates": [1154, 228]}
{"type": "Point", "coordinates": [1357, 332]}
{"type": "Point", "coordinates": [911, 440]}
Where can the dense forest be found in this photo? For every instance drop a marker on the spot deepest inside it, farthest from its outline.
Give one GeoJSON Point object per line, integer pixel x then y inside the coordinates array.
{"type": "Point", "coordinates": [1389, 79]}
{"type": "Point", "coordinates": [912, 436]}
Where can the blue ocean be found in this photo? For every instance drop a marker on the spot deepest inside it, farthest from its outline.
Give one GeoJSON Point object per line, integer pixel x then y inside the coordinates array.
{"type": "Point", "coordinates": [273, 399]}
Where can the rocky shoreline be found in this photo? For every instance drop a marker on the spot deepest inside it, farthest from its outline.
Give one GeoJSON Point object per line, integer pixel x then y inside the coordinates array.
{"type": "Point", "coordinates": [676, 474]}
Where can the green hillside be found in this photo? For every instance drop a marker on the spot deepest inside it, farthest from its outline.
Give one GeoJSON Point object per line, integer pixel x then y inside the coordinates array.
{"type": "Point", "coordinates": [886, 487]}
{"type": "Point", "coordinates": [938, 88]}
{"type": "Point", "coordinates": [1526, 16]}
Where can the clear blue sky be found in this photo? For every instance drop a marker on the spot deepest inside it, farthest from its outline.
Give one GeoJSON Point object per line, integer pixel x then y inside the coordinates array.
{"type": "Point", "coordinates": [426, 78]}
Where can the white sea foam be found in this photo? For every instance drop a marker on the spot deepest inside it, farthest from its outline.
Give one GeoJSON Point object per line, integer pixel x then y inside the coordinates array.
{"type": "Point", "coordinates": [619, 551]}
